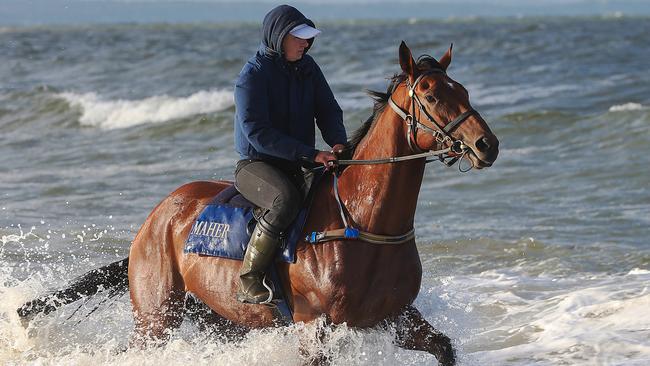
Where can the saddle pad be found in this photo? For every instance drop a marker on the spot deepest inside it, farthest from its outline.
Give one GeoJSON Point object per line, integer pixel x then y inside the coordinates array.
{"type": "Point", "coordinates": [221, 230]}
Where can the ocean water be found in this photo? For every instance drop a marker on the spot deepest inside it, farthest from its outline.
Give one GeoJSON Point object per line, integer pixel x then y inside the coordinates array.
{"type": "Point", "coordinates": [542, 259]}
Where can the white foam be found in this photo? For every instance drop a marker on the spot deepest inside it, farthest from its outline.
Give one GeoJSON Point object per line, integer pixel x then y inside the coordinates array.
{"type": "Point", "coordinates": [502, 316]}
{"type": "Point", "coordinates": [518, 319]}
{"type": "Point", "coordinates": [68, 337]}
{"type": "Point", "coordinates": [638, 271]}
{"type": "Point", "coordinates": [626, 107]}
{"type": "Point", "coordinates": [111, 114]}
{"type": "Point", "coordinates": [96, 341]}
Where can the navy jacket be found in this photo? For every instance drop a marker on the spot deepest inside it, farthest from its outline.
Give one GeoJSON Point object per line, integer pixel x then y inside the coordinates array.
{"type": "Point", "coordinates": [277, 102]}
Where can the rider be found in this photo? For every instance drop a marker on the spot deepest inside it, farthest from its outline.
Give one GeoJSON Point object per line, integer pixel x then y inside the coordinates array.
{"type": "Point", "coordinates": [279, 95]}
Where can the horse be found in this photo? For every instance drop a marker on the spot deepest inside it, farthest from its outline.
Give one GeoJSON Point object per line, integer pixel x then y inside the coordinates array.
{"type": "Point", "coordinates": [346, 280]}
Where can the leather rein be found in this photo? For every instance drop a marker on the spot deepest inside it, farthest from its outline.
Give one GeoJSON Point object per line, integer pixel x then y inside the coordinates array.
{"type": "Point", "coordinates": [456, 150]}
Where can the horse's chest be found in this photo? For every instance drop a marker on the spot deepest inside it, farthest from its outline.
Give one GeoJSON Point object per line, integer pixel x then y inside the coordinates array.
{"type": "Point", "coordinates": [363, 290]}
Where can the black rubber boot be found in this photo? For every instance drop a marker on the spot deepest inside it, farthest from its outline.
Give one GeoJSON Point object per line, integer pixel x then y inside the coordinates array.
{"type": "Point", "coordinates": [259, 253]}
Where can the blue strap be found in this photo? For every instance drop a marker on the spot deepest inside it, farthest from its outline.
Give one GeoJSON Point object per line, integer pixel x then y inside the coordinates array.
{"type": "Point", "coordinates": [351, 233]}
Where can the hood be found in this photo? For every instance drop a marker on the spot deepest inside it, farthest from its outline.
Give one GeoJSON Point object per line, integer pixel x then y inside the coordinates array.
{"type": "Point", "coordinates": [277, 23]}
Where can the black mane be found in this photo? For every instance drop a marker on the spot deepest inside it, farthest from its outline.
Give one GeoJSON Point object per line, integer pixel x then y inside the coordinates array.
{"type": "Point", "coordinates": [424, 63]}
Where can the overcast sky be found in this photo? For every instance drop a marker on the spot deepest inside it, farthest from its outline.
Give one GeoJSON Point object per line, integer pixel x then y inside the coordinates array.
{"type": "Point", "coordinates": [31, 12]}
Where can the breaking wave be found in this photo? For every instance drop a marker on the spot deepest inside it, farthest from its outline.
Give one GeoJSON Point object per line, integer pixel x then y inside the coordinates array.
{"type": "Point", "coordinates": [626, 107]}
{"type": "Point", "coordinates": [114, 114]}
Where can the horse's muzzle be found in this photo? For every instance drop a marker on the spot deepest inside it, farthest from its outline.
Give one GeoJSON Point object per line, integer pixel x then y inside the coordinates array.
{"type": "Point", "coordinates": [484, 151]}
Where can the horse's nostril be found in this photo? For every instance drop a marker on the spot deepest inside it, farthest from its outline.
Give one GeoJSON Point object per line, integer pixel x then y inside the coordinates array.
{"type": "Point", "coordinates": [482, 144]}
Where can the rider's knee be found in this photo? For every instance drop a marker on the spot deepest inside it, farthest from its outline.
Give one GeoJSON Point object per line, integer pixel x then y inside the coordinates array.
{"type": "Point", "coordinates": [288, 200]}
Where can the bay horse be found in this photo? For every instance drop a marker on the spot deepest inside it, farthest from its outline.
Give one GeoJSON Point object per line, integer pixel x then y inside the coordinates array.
{"type": "Point", "coordinates": [346, 281]}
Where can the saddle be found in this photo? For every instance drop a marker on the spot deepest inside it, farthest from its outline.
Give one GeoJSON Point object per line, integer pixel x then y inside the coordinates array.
{"type": "Point", "coordinates": [224, 227]}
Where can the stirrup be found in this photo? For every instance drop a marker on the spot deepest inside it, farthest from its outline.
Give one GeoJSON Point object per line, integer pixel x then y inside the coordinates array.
{"type": "Point", "coordinates": [271, 294]}
{"type": "Point", "coordinates": [269, 300]}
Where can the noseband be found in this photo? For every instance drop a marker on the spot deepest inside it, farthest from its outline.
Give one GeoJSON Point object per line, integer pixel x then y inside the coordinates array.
{"type": "Point", "coordinates": [441, 133]}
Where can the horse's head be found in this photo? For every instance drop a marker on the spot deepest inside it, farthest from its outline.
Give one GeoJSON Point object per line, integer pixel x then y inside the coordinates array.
{"type": "Point", "coordinates": [440, 106]}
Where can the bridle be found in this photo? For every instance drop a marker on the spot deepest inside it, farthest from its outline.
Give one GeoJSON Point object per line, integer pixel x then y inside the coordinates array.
{"type": "Point", "coordinates": [441, 133]}
{"type": "Point", "coordinates": [450, 150]}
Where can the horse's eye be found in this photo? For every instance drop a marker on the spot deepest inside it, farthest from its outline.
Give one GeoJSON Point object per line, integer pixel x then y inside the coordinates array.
{"type": "Point", "coordinates": [430, 98]}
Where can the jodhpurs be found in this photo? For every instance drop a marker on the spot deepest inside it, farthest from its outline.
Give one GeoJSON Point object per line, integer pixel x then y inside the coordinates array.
{"type": "Point", "coordinates": [278, 191]}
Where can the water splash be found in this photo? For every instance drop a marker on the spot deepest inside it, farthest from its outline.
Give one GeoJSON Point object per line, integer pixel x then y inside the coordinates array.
{"type": "Point", "coordinates": [17, 238]}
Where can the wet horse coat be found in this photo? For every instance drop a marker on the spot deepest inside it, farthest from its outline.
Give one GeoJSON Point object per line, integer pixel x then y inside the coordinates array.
{"type": "Point", "coordinates": [349, 281]}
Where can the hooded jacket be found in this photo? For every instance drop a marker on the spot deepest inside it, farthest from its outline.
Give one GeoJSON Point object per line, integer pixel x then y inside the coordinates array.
{"type": "Point", "coordinates": [277, 101]}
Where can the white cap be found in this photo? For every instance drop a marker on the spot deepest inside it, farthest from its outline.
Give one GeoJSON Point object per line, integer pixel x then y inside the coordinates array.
{"type": "Point", "coordinates": [304, 31]}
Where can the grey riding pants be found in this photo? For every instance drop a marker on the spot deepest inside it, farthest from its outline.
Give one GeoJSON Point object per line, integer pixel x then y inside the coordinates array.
{"type": "Point", "coordinates": [279, 191]}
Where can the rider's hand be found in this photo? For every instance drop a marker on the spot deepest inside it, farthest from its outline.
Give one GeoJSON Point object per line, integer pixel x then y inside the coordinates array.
{"type": "Point", "coordinates": [326, 158]}
{"type": "Point", "coordinates": [338, 148]}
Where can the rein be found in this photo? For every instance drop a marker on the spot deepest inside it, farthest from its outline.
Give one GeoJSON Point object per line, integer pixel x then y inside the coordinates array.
{"type": "Point", "coordinates": [441, 134]}
{"type": "Point", "coordinates": [394, 159]}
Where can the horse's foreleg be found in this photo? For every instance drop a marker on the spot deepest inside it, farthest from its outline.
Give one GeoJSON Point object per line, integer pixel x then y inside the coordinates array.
{"type": "Point", "coordinates": [207, 320]}
{"type": "Point", "coordinates": [415, 333]}
{"type": "Point", "coordinates": [312, 343]}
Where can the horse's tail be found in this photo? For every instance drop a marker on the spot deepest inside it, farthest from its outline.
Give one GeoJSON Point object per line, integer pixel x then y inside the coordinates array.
{"type": "Point", "coordinates": [112, 277]}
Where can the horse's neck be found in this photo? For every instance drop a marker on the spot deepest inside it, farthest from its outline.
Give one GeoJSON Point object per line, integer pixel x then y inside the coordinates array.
{"type": "Point", "coordinates": [382, 198]}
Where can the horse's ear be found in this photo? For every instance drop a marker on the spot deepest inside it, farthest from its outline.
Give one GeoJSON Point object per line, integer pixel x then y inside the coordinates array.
{"type": "Point", "coordinates": [407, 62]}
{"type": "Point", "coordinates": [446, 59]}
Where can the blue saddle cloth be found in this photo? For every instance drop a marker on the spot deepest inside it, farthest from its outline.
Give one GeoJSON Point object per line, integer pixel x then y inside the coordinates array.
{"type": "Point", "coordinates": [223, 228]}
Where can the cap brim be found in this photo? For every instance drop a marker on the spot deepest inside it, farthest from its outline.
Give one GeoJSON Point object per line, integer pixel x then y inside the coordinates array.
{"type": "Point", "coordinates": [304, 32]}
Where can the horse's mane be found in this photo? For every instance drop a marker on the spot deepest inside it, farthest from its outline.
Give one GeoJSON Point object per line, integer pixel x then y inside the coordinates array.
{"type": "Point", "coordinates": [424, 63]}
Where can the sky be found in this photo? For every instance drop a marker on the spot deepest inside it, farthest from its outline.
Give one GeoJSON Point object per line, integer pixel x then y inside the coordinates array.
{"type": "Point", "coordinates": [36, 12]}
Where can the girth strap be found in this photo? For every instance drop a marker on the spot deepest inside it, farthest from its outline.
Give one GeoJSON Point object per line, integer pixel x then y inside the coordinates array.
{"type": "Point", "coordinates": [338, 234]}
{"type": "Point", "coordinates": [349, 232]}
